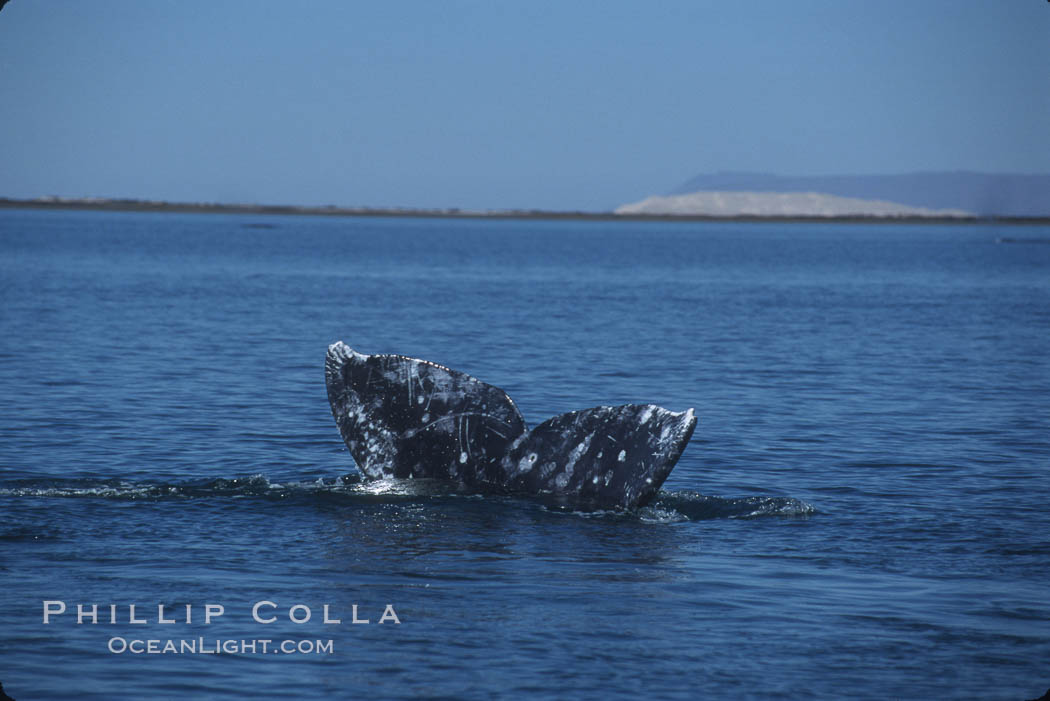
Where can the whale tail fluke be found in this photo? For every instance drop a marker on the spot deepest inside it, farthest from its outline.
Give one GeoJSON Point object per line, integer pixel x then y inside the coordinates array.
{"type": "Point", "coordinates": [407, 418]}
{"type": "Point", "coordinates": [608, 456]}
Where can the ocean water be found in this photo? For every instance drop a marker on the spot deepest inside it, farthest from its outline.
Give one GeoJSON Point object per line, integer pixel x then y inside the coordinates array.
{"type": "Point", "coordinates": [861, 513]}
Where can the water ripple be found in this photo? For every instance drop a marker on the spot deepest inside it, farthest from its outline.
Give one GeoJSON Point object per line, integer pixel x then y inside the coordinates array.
{"type": "Point", "coordinates": [668, 507]}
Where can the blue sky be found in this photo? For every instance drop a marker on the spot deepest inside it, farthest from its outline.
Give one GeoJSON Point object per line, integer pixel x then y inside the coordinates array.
{"type": "Point", "coordinates": [553, 105]}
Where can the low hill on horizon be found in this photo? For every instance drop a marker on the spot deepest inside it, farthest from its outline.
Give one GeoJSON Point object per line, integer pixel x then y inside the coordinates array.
{"type": "Point", "coordinates": [777, 204]}
{"type": "Point", "coordinates": [982, 194]}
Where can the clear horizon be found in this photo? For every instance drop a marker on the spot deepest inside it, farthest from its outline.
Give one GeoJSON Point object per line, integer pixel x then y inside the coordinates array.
{"type": "Point", "coordinates": [582, 106]}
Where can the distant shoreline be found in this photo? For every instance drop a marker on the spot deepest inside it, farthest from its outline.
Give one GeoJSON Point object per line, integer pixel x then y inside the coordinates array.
{"type": "Point", "coordinates": [129, 205]}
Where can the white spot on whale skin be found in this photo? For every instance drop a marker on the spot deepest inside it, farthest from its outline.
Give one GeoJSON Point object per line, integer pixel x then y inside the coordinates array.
{"type": "Point", "coordinates": [622, 456]}
{"type": "Point", "coordinates": [527, 462]}
{"type": "Point", "coordinates": [594, 480]}
{"type": "Point", "coordinates": [419, 399]}
{"type": "Point", "coordinates": [648, 480]}
{"type": "Point", "coordinates": [578, 453]}
{"type": "Point", "coordinates": [462, 457]}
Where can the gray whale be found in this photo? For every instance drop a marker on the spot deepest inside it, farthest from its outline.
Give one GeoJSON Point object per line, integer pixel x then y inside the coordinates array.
{"type": "Point", "coordinates": [407, 418]}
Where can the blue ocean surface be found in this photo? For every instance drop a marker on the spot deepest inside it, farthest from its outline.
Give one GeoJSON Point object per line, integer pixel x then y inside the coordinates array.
{"type": "Point", "coordinates": [861, 512]}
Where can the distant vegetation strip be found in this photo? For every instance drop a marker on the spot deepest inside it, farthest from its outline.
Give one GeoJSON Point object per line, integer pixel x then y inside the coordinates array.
{"type": "Point", "coordinates": [132, 205]}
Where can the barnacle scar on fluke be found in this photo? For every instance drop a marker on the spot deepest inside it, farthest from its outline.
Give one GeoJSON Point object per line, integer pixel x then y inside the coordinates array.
{"type": "Point", "coordinates": [407, 418]}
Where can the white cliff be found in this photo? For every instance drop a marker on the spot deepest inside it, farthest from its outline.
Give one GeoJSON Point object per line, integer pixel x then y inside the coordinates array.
{"type": "Point", "coordinates": [778, 204]}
